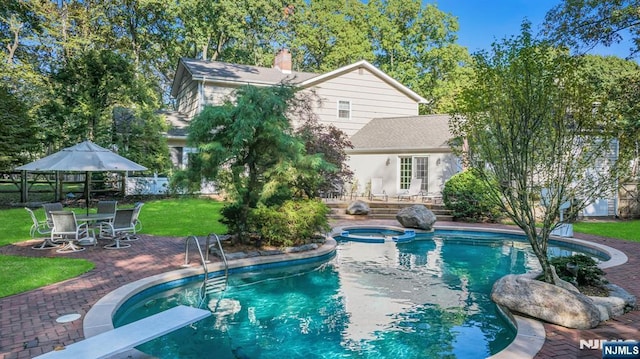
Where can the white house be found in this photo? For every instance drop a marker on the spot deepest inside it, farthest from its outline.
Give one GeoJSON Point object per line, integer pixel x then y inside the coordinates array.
{"type": "Point", "coordinates": [378, 113]}
{"type": "Point", "coordinates": [398, 149]}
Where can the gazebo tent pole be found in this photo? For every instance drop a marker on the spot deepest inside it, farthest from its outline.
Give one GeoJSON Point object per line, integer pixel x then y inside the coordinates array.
{"type": "Point", "coordinates": [87, 191]}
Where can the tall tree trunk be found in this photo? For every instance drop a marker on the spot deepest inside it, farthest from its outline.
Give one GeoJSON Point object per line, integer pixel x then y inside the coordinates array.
{"type": "Point", "coordinates": [540, 249]}
{"type": "Point", "coordinates": [15, 26]}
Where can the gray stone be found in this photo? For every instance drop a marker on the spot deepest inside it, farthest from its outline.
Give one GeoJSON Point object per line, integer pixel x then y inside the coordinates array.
{"type": "Point", "coordinates": [236, 255]}
{"type": "Point", "coordinates": [617, 303]}
{"type": "Point", "coordinates": [617, 291]}
{"type": "Point", "coordinates": [359, 208]}
{"type": "Point", "coordinates": [546, 301]}
{"type": "Point", "coordinates": [417, 216]}
{"type": "Point", "coordinates": [302, 248]}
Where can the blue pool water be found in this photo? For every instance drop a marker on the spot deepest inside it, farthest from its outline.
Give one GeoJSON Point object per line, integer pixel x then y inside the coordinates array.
{"type": "Point", "coordinates": [425, 299]}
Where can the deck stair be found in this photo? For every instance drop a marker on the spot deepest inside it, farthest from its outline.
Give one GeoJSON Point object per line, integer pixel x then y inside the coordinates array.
{"type": "Point", "coordinates": [384, 209]}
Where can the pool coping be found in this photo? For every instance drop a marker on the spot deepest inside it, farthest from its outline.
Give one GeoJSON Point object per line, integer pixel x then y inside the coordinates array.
{"type": "Point", "coordinates": [529, 339]}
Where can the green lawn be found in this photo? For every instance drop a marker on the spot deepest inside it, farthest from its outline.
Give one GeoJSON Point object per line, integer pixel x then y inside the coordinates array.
{"type": "Point", "coordinates": [627, 230]}
{"type": "Point", "coordinates": [170, 217]}
{"type": "Point", "coordinates": [21, 274]}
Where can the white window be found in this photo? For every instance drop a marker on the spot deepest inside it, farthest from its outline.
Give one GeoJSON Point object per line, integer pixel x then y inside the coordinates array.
{"type": "Point", "coordinates": [344, 110]}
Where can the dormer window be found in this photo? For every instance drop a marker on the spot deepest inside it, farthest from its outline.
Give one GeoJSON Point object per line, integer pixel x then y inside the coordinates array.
{"type": "Point", "coordinates": [344, 110]}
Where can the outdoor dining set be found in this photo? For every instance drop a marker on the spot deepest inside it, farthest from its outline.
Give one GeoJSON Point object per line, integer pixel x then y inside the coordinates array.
{"type": "Point", "coordinates": [68, 232]}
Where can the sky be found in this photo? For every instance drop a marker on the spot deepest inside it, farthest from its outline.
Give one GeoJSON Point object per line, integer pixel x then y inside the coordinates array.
{"type": "Point", "coordinates": [484, 21]}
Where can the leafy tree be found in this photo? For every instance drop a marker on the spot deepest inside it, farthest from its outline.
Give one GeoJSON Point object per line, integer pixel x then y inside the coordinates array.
{"type": "Point", "coordinates": [325, 35]}
{"type": "Point", "coordinates": [616, 84]}
{"type": "Point", "coordinates": [327, 141]}
{"type": "Point", "coordinates": [17, 130]}
{"type": "Point", "coordinates": [137, 135]}
{"type": "Point", "coordinates": [415, 44]}
{"type": "Point", "coordinates": [583, 24]}
{"type": "Point", "coordinates": [467, 196]}
{"type": "Point", "coordinates": [530, 124]}
{"type": "Point", "coordinates": [625, 109]}
{"type": "Point", "coordinates": [249, 148]}
{"type": "Point", "coordinates": [99, 97]}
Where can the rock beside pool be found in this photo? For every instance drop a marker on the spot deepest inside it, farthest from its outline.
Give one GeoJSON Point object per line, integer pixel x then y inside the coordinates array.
{"type": "Point", "coordinates": [359, 208]}
{"type": "Point", "coordinates": [545, 301]}
{"type": "Point", "coordinates": [417, 216]}
{"type": "Point", "coordinates": [617, 303]}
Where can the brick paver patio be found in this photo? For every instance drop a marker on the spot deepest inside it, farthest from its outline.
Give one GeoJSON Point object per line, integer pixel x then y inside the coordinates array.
{"type": "Point", "coordinates": [28, 324]}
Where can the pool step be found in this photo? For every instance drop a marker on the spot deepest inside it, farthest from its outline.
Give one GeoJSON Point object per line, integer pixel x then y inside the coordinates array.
{"type": "Point", "coordinates": [384, 210]}
{"type": "Point", "coordinates": [215, 285]}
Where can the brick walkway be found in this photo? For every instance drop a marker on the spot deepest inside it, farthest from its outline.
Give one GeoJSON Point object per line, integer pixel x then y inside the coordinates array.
{"type": "Point", "coordinates": [28, 324]}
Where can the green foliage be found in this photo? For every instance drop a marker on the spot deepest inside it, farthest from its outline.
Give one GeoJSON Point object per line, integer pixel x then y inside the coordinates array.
{"type": "Point", "coordinates": [18, 133]}
{"type": "Point", "coordinates": [331, 143]}
{"type": "Point", "coordinates": [530, 124]}
{"type": "Point", "coordinates": [587, 272]}
{"type": "Point", "coordinates": [582, 25]}
{"type": "Point", "coordinates": [330, 34]}
{"type": "Point", "coordinates": [99, 97]}
{"type": "Point", "coordinates": [250, 149]}
{"type": "Point", "coordinates": [415, 44]}
{"type": "Point", "coordinates": [292, 223]}
{"type": "Point", "coordinates": [467, 196]}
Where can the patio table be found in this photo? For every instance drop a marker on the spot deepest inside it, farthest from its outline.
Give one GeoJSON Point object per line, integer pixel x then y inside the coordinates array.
{"type": "Point", "coordinates": [94, 217]}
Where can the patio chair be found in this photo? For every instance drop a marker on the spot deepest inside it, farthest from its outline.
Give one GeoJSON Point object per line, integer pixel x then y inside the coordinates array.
{"type": "Point", "coordinates": [66, 228]}
{"type": "Point", "coordinates": [432, 197]}
{"type": "Point", "coordinates": [48, 208]}
{"type": "Point", "coordinates": [376, 189]}
{"type": "Point", "coordinates": [415, 187]}
{"type": "Point", "coordinates": [106, 207]}
{"type": "Point", "coordinates": [122, 225]}
{"type": "Point", "coordinates": [136, 222]}
{"type": "Point", "coordinates": [40, 227]}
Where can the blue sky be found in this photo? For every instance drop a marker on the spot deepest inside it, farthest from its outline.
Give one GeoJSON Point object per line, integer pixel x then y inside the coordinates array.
{"type": "Point", "coordinates": [484, 21]}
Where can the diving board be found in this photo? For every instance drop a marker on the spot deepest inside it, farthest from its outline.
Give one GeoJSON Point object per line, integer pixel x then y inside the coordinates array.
{"type": "Point", "coordinates": [126, 337]}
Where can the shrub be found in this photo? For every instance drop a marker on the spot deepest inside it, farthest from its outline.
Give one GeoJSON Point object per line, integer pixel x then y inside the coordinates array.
{"type": "Point", "coordinates": [466, 196]}
{"type": "Point", "coordinates": [292, 223]}
{"type": "Point", "coordinates": [587, 273]}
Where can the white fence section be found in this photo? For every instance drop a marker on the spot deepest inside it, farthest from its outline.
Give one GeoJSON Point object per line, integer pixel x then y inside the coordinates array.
{"type": "Point", "coordinates": [147, 185]}
{"type": "Point", "coordinates": [159, 185]}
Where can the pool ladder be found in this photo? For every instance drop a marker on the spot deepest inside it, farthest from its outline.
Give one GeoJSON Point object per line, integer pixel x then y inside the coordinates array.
{"type": "Point", "coordinates": [215, 285]}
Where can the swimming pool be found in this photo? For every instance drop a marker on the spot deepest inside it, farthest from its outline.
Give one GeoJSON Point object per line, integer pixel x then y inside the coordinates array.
{"type": "Point", "coordinates": [426, 298]}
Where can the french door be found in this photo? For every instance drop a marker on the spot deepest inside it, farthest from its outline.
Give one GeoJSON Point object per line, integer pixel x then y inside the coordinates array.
{"type": "Point", "coordinates": [414, 167]}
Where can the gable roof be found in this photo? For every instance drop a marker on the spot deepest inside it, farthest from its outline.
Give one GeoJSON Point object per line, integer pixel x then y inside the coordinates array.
{"type": "Point", "coordinates": [233, 74]}
{"type": "Point", "coordinates": [376, 71]}
{"type": "Point", "coordinates": [429, 133]}
{"type": "Point", "coordinates": [236, 74]}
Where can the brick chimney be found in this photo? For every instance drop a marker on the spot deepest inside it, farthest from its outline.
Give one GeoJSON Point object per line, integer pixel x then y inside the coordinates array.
{"type": "Point", "coordinates": [282, 61]}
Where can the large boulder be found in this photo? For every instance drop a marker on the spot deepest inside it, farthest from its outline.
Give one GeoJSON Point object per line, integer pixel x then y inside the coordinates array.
{"type": "Point", "coordinates": [617, 303]}
{"type": "Point", "coordinates": [417, 216]}
{"type": "Point", "coordinates": [546, 301]}
{"type": "Point", "coordinates": [358, 207]}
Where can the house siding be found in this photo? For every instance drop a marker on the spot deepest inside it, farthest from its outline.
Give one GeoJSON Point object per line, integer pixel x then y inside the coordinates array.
{"type": "Point", "coordinates": [369, 95]}
{"type": "Point", "coordinates": [187, 98]}
{"type": "Point", "coordinates": [215, 95]}
{"type": "Point", "coordinates": [442, 165]}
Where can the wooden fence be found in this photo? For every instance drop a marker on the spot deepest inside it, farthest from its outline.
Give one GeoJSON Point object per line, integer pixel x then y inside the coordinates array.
{"type": "Point", "coordinates": [629, 202]}
{"type": "Point", "coordinates": [24, 187]}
